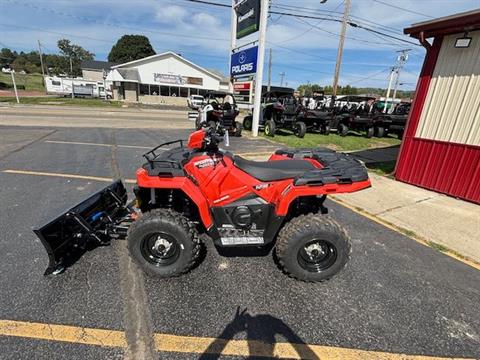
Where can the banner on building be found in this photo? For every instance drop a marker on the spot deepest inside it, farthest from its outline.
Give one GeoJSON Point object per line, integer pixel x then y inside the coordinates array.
{"type": "Point", "coordinates": [177, 79]}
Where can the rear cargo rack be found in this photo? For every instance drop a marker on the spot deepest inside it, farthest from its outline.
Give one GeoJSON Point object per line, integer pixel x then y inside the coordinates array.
{"type": "Point", "coordinates": [153, 158]}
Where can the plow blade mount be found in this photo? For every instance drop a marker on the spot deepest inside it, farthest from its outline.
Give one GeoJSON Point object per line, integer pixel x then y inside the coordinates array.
{"type": "Point", "coordinates": [87, 225]}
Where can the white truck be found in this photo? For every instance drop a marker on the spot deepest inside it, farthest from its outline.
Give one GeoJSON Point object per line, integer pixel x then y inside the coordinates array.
{"type": "Point", "coordinates": [62, 86]}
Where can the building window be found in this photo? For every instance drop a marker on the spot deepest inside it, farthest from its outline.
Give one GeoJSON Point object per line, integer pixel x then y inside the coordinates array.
{"type": "Point", "coordinates": [184, 92]}
{"type": "Point", "coordinates": [164, 90]}
{"type": "Point", "coordinates": [144, 89]}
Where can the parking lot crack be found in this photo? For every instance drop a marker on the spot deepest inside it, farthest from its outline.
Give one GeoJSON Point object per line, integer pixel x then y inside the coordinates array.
{"type": "Point", "coordinates": [136, 312]}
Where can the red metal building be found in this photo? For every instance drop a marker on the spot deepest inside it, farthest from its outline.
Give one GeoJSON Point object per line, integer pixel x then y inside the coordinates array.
{"type": "Point", "coordinates": [441, 146]}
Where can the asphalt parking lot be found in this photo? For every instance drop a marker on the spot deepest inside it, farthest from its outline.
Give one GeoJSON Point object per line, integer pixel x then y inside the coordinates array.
{"type": "Point", "coordinates": [395, 297]}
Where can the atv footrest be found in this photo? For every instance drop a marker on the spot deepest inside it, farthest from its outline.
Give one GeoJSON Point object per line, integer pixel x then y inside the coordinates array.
{"type": "Point", "coordinates": [337, 168]}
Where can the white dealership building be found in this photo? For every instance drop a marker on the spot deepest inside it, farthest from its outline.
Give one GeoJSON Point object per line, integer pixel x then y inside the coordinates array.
{"type": "Point", "coordinates": [158, 78]}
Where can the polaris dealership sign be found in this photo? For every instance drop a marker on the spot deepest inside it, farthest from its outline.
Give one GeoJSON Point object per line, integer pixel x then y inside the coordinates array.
{"type": "Point", "coordinates": [244, 62]}
{"type": "Point", "coordinates": [248, 17]}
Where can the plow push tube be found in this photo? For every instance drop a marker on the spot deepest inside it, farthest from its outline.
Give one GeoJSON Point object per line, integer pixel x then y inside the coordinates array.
{"type": "Point", "coordinates": [85, 226]}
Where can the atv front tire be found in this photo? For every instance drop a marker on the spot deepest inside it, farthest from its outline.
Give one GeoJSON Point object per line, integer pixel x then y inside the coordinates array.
{"type": "Point", "coordinates": [163, 243]}
{"type": "Point", "coordinates": [247, 123]}
{"type": "Point", "coordinates": [270, 128]}
{"type": "Point", "coordinates": [312, 248]}
{"type": "Point", "coordinates": [238, 129]}
{"type": "Point", "coordinates": [342, 130]}
{"type": "Point", "coordinates": [300, 129]}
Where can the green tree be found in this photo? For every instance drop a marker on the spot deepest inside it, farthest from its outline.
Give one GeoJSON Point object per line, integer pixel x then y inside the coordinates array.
{"type": "Point", "coordinates": [129, 48]}
{"type": "Point", "coordinates": [74, 52]}
{"type": "Point", "coordinates": [7, 57]}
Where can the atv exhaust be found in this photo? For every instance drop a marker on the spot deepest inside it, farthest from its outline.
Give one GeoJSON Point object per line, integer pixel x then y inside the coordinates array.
{"type": "Point", "coordinates": [90, 224]}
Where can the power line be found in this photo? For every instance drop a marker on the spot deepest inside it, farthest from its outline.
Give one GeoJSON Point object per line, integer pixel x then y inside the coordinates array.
{"type": "Point", "coordinates": [313, 17]}
{"type": "Point", "coordinates": [370, 77]}
{"type": "Point", "coordinates": [403, 9]}
{"type": "Point", "coordinates": [114, 25]}
{"type": "Point", "coordinates": [311, 27]}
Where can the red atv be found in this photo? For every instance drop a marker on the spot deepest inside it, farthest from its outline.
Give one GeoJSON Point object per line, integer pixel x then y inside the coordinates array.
{"type": "Point", "coordinates": [201, 189]}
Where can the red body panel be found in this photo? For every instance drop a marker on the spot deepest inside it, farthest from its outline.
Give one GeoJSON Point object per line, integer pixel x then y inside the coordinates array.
{"type": "Point", "coordinates": [220, 183]}
{"type": "Point", "coordinates": [195, 140]}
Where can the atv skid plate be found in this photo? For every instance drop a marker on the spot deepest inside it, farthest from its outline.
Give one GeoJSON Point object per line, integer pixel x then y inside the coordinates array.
{"type": "Point", "coordinates": [85, 226]}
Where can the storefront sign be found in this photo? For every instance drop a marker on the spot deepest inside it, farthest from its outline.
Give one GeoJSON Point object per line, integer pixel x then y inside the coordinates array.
{"type": "Point", "coordinates": [248, 17]}
{"type": "Point", "coordinates": [244, 62]}
{"type": "Point", "coordinates": [176, 79]}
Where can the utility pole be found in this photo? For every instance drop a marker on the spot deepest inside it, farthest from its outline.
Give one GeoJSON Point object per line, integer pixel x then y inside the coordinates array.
{"type": "Point", "coordinates": [269, 70]}
{"type": "Point", "coordinates": [282, 75]}
{"type": "Point", "coordinates": [71, 74]}
{"type": "Point", "coordinates": [15, 85]}
{"type": "Point", "coordinates": [261, 58]}
{"type": "Point", "coordinates": [41, 64]}
{"type": "Point", "coordinates": [346, 13]}
{"type": "Point", "coordinates": [401, 60]}
{"type": "Point", "coordinates": [41, 57]}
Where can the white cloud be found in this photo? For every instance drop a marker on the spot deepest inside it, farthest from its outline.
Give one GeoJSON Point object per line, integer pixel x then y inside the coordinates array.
{"type": "Point", "coordinates": [205, 20]}
{"type": "Point", "coordinates": [171, 14]}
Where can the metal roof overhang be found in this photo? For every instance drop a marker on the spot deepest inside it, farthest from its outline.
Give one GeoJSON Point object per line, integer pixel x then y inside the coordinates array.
{"type": "Point", "coordinates": [457, 23]}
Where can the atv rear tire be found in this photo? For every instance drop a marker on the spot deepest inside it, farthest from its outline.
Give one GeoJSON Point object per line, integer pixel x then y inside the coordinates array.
{"type": "Point", "coordinates": [325, 130]}
{"type": "Point", "coordinates": [238, 129]}
{"type": "Point", "coordinates": [380, 131]}
{"type": "Point", "coordinates": [270, 128]}
{"type": "Point", "coordinates": [342, 129]}
{"type": "Point", "coordinates": [370, 132]}
{"type": "Point", "coordinates": [247, 123]}
{"type": "Point", "coordinates": [300, 129]}
{"type": "Point", "coordinates": [163, 243]}
{"type": "Point", "coordinates": [312, 248]}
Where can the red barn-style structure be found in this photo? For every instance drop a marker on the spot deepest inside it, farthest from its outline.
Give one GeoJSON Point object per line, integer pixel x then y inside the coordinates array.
{"type": "Point", "coordinates": [441, 146]}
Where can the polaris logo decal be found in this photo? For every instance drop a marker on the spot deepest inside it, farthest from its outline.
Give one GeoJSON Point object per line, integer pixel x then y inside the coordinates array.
{"type": "Point", "coordinates": [204, 163]}
{"type": "Point", "coordinates": [244, 62]}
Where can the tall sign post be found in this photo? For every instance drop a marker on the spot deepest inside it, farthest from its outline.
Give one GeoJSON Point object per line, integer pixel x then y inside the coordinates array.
{"type": "Point", "coordinates": [248, 17]}
{"type": "Point", "coordinates": [261, 57]}
{"type": "Point", "coordinates": [233, 37]}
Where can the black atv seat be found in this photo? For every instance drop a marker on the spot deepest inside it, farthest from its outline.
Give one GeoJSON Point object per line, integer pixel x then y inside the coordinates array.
{"type": "Point", "coordinates": [273, 170]}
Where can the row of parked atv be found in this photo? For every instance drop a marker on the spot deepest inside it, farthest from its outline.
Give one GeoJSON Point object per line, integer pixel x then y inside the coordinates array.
{"type": "Point", "coordinates": [289, 113]}
{"type": "Point", "coordinates": [360, 114]}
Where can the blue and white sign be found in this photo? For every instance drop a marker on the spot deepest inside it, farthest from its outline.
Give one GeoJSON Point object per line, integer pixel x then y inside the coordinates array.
{"type": "Point", "coordinates": [244, 62]}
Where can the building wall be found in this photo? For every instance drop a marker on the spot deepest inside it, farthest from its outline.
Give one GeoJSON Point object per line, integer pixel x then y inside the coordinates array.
{"type": "Point", "coordinates": [94, 75]}
{"type": "Point", "coordinates": [440, 149]}
{"type": "Point", "coordinates": [164, 100]}
{"type": "Point", "coordinates": [131, 93]}
{"type": "Point", "coordinates": [173, 66]}
{"type": "Point", "coordinates": [452, 108]}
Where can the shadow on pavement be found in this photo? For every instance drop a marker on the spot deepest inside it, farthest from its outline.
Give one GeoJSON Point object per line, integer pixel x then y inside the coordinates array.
{"type": "Point", "coordinates": [261, 331]}
{"type": "Point", "coordinates": [377, 155]}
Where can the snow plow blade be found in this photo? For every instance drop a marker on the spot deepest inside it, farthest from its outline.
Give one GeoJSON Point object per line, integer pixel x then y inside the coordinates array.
{"type": "Point", "coordinates": [85, 226]}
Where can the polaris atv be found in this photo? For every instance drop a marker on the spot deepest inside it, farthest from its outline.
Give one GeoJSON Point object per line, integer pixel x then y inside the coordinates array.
{"type": "Point", "coordinates": [219, 108]}
{"type": "Point", "coordinates": [392, 123]}
{"type": "Point", "coordinates": [197, 188]}
{"type": "Point", "coordinates": [278, 113]}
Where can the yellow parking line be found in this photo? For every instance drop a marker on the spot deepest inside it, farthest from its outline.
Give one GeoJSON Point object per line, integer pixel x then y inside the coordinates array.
{"type": "Point", "coordinates": [195, 345]}
{"type": "Point", "coordinates": [68, 176]}
{"type": "Point", "coordinates": [99, 144]}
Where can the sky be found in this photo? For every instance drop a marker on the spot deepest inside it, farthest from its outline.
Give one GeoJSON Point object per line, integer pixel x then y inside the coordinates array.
{"type": "Point", "coordinates": [303, 49]}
